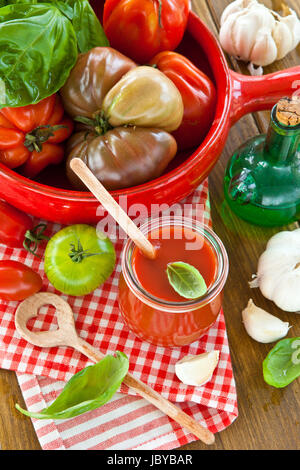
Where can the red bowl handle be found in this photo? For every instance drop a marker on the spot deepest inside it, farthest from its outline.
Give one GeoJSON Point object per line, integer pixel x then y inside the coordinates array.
{"type": "Point", "coordinates": [250, 94]}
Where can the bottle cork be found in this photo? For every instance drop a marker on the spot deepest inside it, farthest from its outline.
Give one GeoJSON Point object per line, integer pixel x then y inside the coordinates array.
{"type": "Point", "coordinates": [288, 111]}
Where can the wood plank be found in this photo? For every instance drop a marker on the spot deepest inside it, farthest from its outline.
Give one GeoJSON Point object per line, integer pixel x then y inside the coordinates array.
{"type": "Point", "coordinates": [268, 417]}
{"type": "Point", "coordinates": [16, 430]}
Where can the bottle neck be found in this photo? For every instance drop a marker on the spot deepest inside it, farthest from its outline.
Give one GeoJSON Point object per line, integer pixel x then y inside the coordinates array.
{"type": "Point", "coordinates": [282, 142]}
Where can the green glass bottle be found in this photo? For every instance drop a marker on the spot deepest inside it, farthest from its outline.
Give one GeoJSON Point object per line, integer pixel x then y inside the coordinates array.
{"type": "Point", "coordinates": [262, 179]}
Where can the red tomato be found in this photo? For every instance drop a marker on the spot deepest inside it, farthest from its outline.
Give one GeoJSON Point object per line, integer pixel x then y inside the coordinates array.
{"type": "Point", "coordinates": [142, 28]}
{"type": "Point", "coordinates": [18, 281]}
{"type": "Point", "coordinates": [198, 94]}
{"type": "Point", "coordinates": [13, 225]}
{"type": "Point", "coordinates": [17, 231]}
{"type": "Point", "coordinates": [28, 132]}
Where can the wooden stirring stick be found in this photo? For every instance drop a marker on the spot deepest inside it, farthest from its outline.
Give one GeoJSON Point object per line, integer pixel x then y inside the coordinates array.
{"type": "Point", "coordinates": [112, 207]}
{"type": "Point", "coordinates": [66, 335]}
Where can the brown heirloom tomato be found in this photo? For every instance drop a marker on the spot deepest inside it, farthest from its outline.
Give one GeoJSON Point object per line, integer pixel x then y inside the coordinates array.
{"type": "Point", "coordinates": [94, 74]}
{"type": "Point", "coordinates": [124, 156]}
{"type": "Point", "coordinates": [142, 28]}
{"type": "Point", "coordinates": [126, 113]}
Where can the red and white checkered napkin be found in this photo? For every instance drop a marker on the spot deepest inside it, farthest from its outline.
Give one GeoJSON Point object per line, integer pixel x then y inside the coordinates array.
{"type": "Point", "coordinates": [127, 421]}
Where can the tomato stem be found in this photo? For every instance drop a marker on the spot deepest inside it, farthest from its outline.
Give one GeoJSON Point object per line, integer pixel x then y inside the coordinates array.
{"type": "Point", "coordinates": [34, 237]}
{"type": "Point", "coordinates": [77, 254]}
{"type": "Point", "coordinates": [34, 140]}
{"type": "Point", "coordinates": [99, 123]}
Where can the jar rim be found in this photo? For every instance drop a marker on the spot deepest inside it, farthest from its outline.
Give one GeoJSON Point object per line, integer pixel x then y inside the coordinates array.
{"type": "Point", "coordinates": [170, 306]}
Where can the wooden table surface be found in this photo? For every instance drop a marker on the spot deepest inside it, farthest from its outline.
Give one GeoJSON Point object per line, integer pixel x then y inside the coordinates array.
{"type": "Point", "coordinates": [268, 418]}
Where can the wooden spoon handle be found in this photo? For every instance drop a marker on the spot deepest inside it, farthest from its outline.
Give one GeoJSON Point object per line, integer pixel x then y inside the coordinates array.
{"type": "Point", "coordinates": [112, 207]}
{"type": "Point", "coordinates": [153, 397]}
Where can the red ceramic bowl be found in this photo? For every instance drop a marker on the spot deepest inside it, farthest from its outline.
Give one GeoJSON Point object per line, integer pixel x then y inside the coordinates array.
{"type": "Point", "coordinates": [238, 95]}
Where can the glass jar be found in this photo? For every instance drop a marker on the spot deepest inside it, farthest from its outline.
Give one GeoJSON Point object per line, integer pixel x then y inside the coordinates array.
{"type": "Point", "coordinates": [166, 323]}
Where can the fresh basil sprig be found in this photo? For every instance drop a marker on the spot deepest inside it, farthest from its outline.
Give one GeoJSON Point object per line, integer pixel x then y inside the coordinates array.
{"type": "Point", "coordinates": [87, 390]}
{"type": "Point", "coordinates": [186, 280]}
{"type": "Point", "coordinates": [39, 45]}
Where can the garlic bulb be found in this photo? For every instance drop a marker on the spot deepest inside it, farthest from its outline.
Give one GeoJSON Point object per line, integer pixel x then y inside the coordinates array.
{"type": "Point", "coordinates": [262, 326]}
{"type": "Point", "coordinates": [197, 370]}
{"type": "Point", "coordinates": [278, 272]}
{"type": "Point", "coordinates": [252, 32]}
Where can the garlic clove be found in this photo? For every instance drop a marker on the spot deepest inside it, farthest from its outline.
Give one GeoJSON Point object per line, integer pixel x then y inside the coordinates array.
{"type": "Point", "coordinates": [262, 326]}
{"type": "Point", "coordinates": [197, 370]}
{"type": "Point", "coordinates": [264, 51]}
{"type": "Point", "coordinates": [283, 38]}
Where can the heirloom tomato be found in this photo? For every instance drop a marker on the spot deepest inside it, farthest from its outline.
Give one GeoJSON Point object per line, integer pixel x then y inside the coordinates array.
{"type": "Point", "coordinates": [78, 259]}
{"type": "Point", "coordinates": [110, 89]}
{"type": "Point", "coordinates": [31, 136]}
{"type": "Point", "coordinates": [124, 156]}
{"type": "Point", "coordinates": [142, 28]}
{"type": "Point", "coordinates": [144, 97]}
{"type": "Point", "coordinates": [94, 74]}
{"type": "Point", "coordinates": [18, 281]}
{"type": "Point", "coordinates": [17, 230]}
{"type": "Point", "coordinates": [198, 94]}
{"type": "Point", "coordinates": [125, 113]}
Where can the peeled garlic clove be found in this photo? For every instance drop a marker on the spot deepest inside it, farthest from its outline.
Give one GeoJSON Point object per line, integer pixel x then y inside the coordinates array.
{"type": "Point", "coordinates": [197, 370]}
{"type": "Point", "coordinates": [261, 325]}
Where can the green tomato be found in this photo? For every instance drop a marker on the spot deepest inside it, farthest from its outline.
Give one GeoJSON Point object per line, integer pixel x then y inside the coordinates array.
{"type": "Point", "coordinates": [78, 259]}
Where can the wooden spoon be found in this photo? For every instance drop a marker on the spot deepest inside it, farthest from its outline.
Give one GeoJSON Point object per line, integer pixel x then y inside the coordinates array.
{"type": "Point", "coordinates": [66, 335]}
{"type": "Point", "coordinates": [112, 207]}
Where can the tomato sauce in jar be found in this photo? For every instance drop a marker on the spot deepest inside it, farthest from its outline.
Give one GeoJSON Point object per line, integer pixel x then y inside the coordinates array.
{"type": "Point", "coordinates": [150, 306]}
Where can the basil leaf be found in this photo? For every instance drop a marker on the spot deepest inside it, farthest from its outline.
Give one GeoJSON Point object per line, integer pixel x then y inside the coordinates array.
{"type": "Point", "coordinates": [282, 364]}
{"type": "Point", "coordinates": [15, 2]}
{"type": "Point", "coordinates": [87, 390]}
{"type": "Point", "coordinates": [63, 5]}
{"type": "Point", "coordinates": [88, 29]}
{"type": "Point", "coordinates": [38, 49]}
{"type": "Point", "coordinates": [186, 280]}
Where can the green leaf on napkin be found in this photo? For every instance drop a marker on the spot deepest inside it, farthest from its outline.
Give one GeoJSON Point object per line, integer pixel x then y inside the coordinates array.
{"type": "Point", "coordinates": [87, 390]}
{"type": "Point", "coordinates": [186, 280]}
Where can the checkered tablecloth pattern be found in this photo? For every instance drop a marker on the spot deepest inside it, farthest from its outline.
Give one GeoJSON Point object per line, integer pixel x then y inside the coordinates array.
{"type": "Point", "coordinates": [127, 421]}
